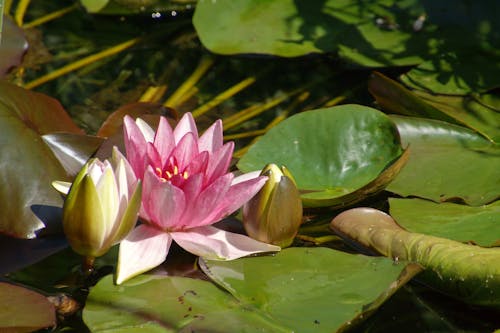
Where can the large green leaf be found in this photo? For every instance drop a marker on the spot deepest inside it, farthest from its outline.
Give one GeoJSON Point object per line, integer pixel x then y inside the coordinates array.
{"type": "Point", "coordinates": [311, 289]}
{"type": "Point", "coordinates": [331, 152]}
{"type": "Point", "coordinates": [370, 33]}
{"type": "Point", "coordinates": [447, 162]}
{"type": "Point", "coordinates": [169, 304]}
{"type": "Point", "coordinates": [458, 222]}
{"type": "Point", "coordinates": [23, 310]}
{"type": "Point", "coordinates": [466, 272]}
{"type": "Point", "coordinates": [28, 165]}
{"type": "Point", "coordinates": [302, 290]}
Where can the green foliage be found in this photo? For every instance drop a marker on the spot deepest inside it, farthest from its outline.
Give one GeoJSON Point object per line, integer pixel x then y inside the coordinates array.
{"type": "Point", "coordinates": [462, 223]}
{"type": "Point", "coordinates": [283, 293]}
{"type": "Point", "coordinates": [330, 152]}
{"type": "Point", "coordinates": [447, 162]}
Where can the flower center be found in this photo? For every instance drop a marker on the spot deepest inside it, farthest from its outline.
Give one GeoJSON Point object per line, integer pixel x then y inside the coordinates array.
{"type": "Point", "coordinates": [171, 172]}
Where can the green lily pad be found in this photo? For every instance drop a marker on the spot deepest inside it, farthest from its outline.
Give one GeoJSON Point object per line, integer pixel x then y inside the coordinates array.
{"type": "Point", "coordinates": [289, 292]}
{"type": "Point", "coordinates": [294, 28]}
{"type": "Point", "coordinates": [467, 272]}
{"type": "Point", "coordinates": [331, 152]}
{"type": "Point", "coordinates": [28, 164]}
{"type": "Point", "coordinates": [448, 220]}
{"type": "Point", "coordinates": [468, 110]}
{"type": "Point", "coordinates": [447, 162]}
{"type": "Point", "coordinates": [130, 7]}
{"type": "Point", "coordinates": [479, 113]}
{"type": "Point", "coordinates": [369, 33]}
{"type": "Point", "coordinates": [455, 75]}
{"type": "Point", "coordinates": [169, 304]}
{"type": "Point", "coordinates": [311, 289]}
{"type": "Point", "coordinates": [23, 310]}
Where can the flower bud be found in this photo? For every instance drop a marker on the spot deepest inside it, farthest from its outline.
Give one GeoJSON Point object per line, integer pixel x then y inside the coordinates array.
{"type": "Point", "coordinates": [102, 205]}
{"type": "Point", "coordinates": [274, 214]}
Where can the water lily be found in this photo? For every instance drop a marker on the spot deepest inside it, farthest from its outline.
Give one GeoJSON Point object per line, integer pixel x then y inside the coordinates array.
{"type": "Point", "coordinates": [186, 189]}
{"type": "Point", "coordinates": [102, 205]}
{"type": "Point", "coordinates": [274, 215]}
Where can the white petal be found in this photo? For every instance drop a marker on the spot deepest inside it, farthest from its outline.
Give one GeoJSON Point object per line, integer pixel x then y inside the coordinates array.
{"type": "Point", "coordinates": [144, 248]}
{"type": "Point", "coordinates": [146, 130]}
{"type": "Point", "coordinates": [216, 244]}
{"type": "Point", "coordinates": [61, 187]}
{"type": "Point", "coordinates": [245, 177]}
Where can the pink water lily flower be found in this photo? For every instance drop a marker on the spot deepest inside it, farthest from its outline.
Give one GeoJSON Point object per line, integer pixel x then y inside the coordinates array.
{"type": "Point", "coordinates": [186, 188]}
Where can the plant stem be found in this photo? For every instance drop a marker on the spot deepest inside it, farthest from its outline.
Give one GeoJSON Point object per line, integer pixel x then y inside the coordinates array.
{"type": "Point", "coordinates": [51, 16]}
{"type": "Point", "coordinates": [20, 11]}
{"type": "Point", "coordinates": [203, 66]}
{"type": "Point", "coordinates": [81, 63]}
{"type": "Point", "coordinates": [88, 266]}
{"type": "Point", "coordinates": [225, 95]}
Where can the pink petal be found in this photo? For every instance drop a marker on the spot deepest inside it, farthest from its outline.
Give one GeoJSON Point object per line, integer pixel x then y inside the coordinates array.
{"type": "Point", "coordinates": [185, 151]}
{"type": "Point", "coordinates": [163, 203]}
{"type": "Point", "coordinates": [216, 244]}
{"type": "Point", "coordinates": [153, 157]}
{"type": "Point", "coordinates": [198, 164]}
{"type": "Point", "coordinates": [238, 195]}
{"type": "Point", "coordinates": [211, 140]}
{"type": "Point", "coordinates": [135, 146]}
{"type": "Point", "coordinates": [144, 248]}
{"type": "Point", "coordinates": [192, 188]}
{"type": "Point", "coordinates": [164, 140]}
{"type": "Point", "coordinates": [185, 125]}
{"type": "Point", "coordinates": [207, 203]}
{"type": "Point", "coordinates": [219, 162]}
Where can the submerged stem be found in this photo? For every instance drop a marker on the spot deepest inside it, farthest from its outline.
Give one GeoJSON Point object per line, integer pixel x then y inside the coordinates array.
{"type": "Point", "coordinates": [81, 63]}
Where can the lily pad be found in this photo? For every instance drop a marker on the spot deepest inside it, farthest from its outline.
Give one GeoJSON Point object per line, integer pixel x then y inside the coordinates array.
{"type": "Point", "coordinates": [467, 272]}
{"type": "Point", "coordinates": [478, 113]}
{"type": "Point", "coordinates": [288, 292]}
{"type": "Point", "coordinates": [462, 223]}
{"type": "Point", "coordinates": [368, 33]}
{"type": "Point", "coordinates": [468, 110]}
{"type": "Point", "coordinates": [13, 45]}
{"type": "Point", "coordinates": [28, 164]}
{"type": "Point", "coordinates": [447, 162]}
{"type": "Point", "coordinates": [23, 310]}
{"type": "Point", "coordinates": [311, 289]}
{"type": "Point", "coordinates": [330, 152]}
{"type": "Point", "coordinates": [294, 28]}
{"type": "Point", "coordinates": [72, 150]}
{"type": "Point", "coordinates": [130, 7]}
{"type": "Point", "coordinates": [169, 304]}
{"type": "Point", "coordinates": [455, 75]}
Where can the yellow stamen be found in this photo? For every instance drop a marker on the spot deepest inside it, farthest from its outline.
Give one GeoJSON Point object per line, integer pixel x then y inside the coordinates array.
{"type": "Point", "coordinates": [176, 170]}
{"type": "Point", "coordinates": [169, 175]}
{"type": "Point", "coordinates": [185, 175]}
{"type": "Point", "coordinates": [158, 172]}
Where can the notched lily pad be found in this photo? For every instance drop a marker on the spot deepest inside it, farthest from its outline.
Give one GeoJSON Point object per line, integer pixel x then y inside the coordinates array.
{"type": "Point", "coordinates": [311, 289]}
{"type": "Point", "coordinates": [337, 155]}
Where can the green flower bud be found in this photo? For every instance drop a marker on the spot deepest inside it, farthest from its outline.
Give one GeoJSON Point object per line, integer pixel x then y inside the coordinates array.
{"type": "Point", "coordinates": [102, 205]}
{"type": "Point", "coordinates": [274, 214]}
